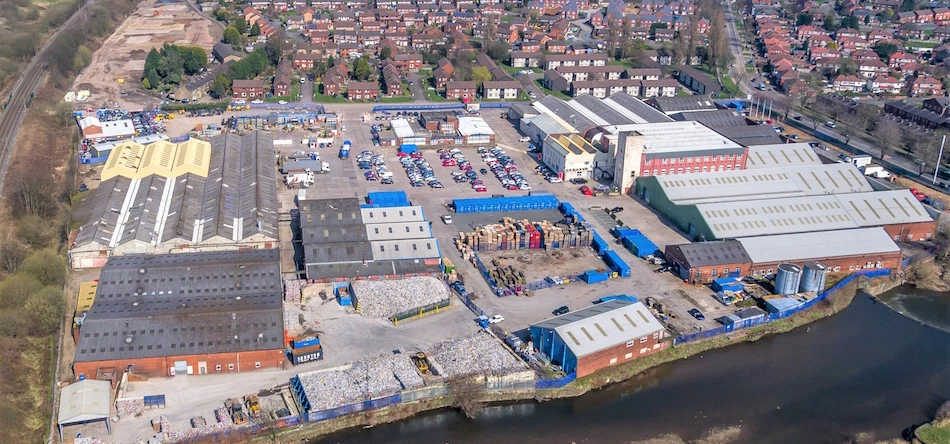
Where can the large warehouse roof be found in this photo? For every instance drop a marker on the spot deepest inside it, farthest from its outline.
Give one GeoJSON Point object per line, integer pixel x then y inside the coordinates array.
{"type": "Point", "coordinates": [765, 183]}
{"type": "Point", "coordinates": [884, 208]}
{"type": "Point", "coordinates": [815, 245]}
{"type": "Point", "coordinates": [781, 155]}
{"type": "Point", "coordinates": [712, 253]}
{"type": "Point", "coordinates": [677, 137]}
{"type": "Point", "coordinates": [184, 304]}
{"type": "Point", "coordinates": [603, 326]}
{"type": "Point", "coordinates": [136, 161]}
{"type": "Point", "coordinates": [234, 200]}
{"type": "Point", "coordinates": [750, 135]}
{"type": "Point", "coordinates": [635, 109]}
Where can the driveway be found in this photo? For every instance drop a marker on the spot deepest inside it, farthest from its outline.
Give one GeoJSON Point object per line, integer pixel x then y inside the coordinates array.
{"type": "Point", "coordinates": [306, 92]}
{"type": "Point", "coordinates": [418, 94]}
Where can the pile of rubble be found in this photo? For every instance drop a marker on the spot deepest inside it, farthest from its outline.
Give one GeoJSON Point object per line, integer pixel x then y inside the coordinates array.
{"type": "Point", "coordinates": [293, 288]}
{"type": "Point", "coordinates": [477, 353]}
{"type": "Point", "coordinates": [129, 407]}
{"type": "Point", "coordinates": [369, 378]}
{"type": "Point", "coordinates": [383, 299]}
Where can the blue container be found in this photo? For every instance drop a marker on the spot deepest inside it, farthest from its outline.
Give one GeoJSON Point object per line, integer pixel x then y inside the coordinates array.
{"type": "Point", "coordinates": [616, 264]}
{"type": "Point", "coordinates": [727, 284]}
{"type": "Point", "coordinates": [599, 244]}
{"type": "Point", "coordinates": [346, 302]}
{"type": "Point", "coordinates": [618, 297]}
{"type": "Point", "coordinates": [408, 148]}
{"type": "Point", "coordinates": [388, 198]}
{"type": "Point", "coordinates": [305, 341]}
{"type": "Point", "coordinates": [639, 244]}
{"type": "Point", "coordinates": [595, 276]}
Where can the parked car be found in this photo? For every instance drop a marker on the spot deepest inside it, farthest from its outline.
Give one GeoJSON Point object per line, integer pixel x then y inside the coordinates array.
{"type": "Point", "coordinates": [495, 319]}
{"type": "Point", "coordinates": [524, 139]}
{"type": "Point", "coordinates": [697, 314]}
{"type": "Point", "coordinates": [585, 190]}
{"type": "Point", "coordinates": [616, 210]}
{"type": "Point", "coordinates": [578, 181]}
{"type": "Point", "coordinates": [561, 310]}
{"type": "Point", "coordinates": [830, 124]}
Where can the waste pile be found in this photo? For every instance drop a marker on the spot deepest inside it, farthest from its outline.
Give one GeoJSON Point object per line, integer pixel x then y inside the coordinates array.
{"type": "Point", "coordinates": [293, 288]}
{"type": "Point", "coordinates": [129, 407]}
{"type": "Point", "coordinates": [368, 378]}
{"type": "Point", "coordinates": [383, 299]}
{"type": "Point", "coordinates": [476, 353]}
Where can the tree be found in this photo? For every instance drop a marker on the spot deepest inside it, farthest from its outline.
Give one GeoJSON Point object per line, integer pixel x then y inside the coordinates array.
{"type": "Point", "coordinates": [888, 133]}
{"type": "Point", "coordinates": [850, 22]}
{"type": "Point", "coordinates": [361, 68]}
{"type": "Point", "coordinates": [480, 75]}
{"type": "Point", "coordinates": [908, 5]}
{"type": "Point", "coordinates": [12, 254]}
{"type": "Point", "coordinates": [275, 47]}
{"type": "Point", "coordinates": [885, 50]}
{"type": "Point", "coordinates": [498, 50]}
{"type": "Point", "coordinates": [47, 267]}
{"type": "Point", "coordinates": [719, 53]}
{"type": "Point", "coordinates": [385, 53]}
{"type": "Point", "coordinates": [46, 309]}
{"type": "Point", "coordinates": [255, 30]}
{"type": "Point", "coordinates": [82, 58]}
{"type": "Point", "coordinates": [221, 15]}
{"type": "Point", "coordinates": [219, 88]}
{"type": "Point", "coordinates": [847, 66]}
{"type": "Point", "coordinates": [232, 36]}
{"type": "Point", "coordinates": [804, 19]}
{"type": "Point", "coordinates": [829, 23]}
{"type": "Point", "coordinates": [16, 289]}
{"type": "Point", "coordinates": [240, 24]}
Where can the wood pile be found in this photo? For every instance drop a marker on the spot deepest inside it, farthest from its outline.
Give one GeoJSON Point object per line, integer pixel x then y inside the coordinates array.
{"type": "Point", "coordinates": [524, 235]}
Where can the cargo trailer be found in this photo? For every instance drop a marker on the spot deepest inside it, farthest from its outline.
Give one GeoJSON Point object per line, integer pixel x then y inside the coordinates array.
{"type": "Point", "coordinates": [307, 354]}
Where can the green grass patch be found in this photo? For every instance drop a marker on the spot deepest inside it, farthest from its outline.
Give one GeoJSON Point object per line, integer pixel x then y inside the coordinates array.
{"type": "Point", "coordinates": [397, 99]}
{"type": "Point", "coordinates": [921, 44]}
{"type": "Point", "coordinates": [434, 96]}
{"type": "Point", "coordinates": [195, 106]}
{"type": "Point", "coordinates": [682, 92]}
{"type": "Point", "coordinates": [929, 434]}
{"type": "Point", "coordinates": [558, 94]}
{"type": "Point", "coordinates": [624, 63]}
{"type": "Point", "coordinates": [320, 98]}
{"type": "Point", "coordinates": [729, 85]}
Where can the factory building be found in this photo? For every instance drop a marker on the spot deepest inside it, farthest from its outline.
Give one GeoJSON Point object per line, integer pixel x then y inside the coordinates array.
{"type": "Point", "coordinates": [596, 337]}
{"type": "Point", "coordinates": [553, 116]}
{"type": "Point", "coordinates": [781, 155]}
{"type": "Point", "coordinates": [571, 156]}
{"type": "Point", "coordinates": [186, 197]}
{"type": "Point", "coordinates": [838, 250]}
{"type": "Point", "coordinates": [342, 240]}
{"type": "Point", "coordinates": [704, 262]}
{"type": "Point", "coordinates": [187, 313]}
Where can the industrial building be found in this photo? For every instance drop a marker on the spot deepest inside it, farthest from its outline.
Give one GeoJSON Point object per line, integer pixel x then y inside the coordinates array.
{"type": "Point", "coordinates": [838, 250]}
{"type": "Point", "coordinates": [704, 262]}
{"type": "Point", "coordinates": [94, 129]}
{"type": "Point", "coordinates": [186, 197]}
{"type": "Point", "coordinates": [342, 240]}
{"type": "Point", "coordinates": [83, 402]}
{"type": "Point", "coordinates": [609, 333]}
{"type": "Point", "coordinates": [553, 116]}
{"type": "Point", "coordinates": [571, 156]}
{"type": "Point", "coordinates": [188, 313]}
{"type": "Point", "coordinates": [781, 155]}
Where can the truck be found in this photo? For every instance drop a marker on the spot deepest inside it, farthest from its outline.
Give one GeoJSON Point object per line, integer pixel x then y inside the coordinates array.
{"type": "Point", "coordinates": [253, 404]}
{"type": "Point", "coordinates": [876, 171]}
{"type": "Point", "coordinates": [345, 150]}
{"type": "Point", "coordinates": [859, 161]}
{"type": "Point", "coordinates": [237, 411]}
{"type": "Point", "coordinates": [422, 363]}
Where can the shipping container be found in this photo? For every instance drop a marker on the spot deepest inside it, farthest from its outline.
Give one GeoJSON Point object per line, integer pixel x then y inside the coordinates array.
{"type": "Point", "coordinates": [387, 199]}
{"type": "Point", "coordinates": [309, 354]}
{"type": "Point", "coordinates": [408, 148]}
{"type": "Point", "coordinates": [599, 244]}
{"type": "Point", "coordinates": [616, 264]}
{"type": "Point", "coordinates": [304, 341]}
{"type": "Point", "coordinates": [517, 203]}
{"type": "Point", "coordinates": [595, 276]}
{"type": "Point", "coordinates": [727, 284]}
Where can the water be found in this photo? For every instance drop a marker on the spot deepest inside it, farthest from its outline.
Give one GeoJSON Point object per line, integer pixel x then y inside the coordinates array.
{"type": "Point", "coordinates": [866, 370]}
{"type": "Point", "coordinates": [930, 307]}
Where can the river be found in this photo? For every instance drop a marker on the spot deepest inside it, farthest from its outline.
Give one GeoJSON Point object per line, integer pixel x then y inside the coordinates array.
{"type": "Point", "coordinates": [867, 370]}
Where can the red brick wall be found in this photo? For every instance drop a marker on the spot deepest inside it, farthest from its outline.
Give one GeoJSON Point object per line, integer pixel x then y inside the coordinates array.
{"type": "Point", "coordinates": [912, 232]}
{"type": "Point", "coordinates": [157, 367]}
{"type": "Point", "coordinates": [672, 166]}
{"type": "Point", "coordinates": [619, 354]}
{"type": "Point", "coordinates": [844, 264]}
{"type": "Point", "coordinates": [704, 275]}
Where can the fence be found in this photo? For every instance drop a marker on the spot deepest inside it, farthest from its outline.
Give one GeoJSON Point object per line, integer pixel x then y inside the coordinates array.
{"type": "Point", "coordinates": [555, 383]}
{"type": "Point", "coordinates": [421, 311]}
{"type": "Point", "coordinates": [441, 106]}
{"type": "Point", "coordinates": [683, 339]}
{"type": "Point", "coordinates": [386, 401]}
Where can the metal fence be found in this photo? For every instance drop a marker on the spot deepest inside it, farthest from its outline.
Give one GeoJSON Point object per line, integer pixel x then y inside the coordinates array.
{"type": "Point", "coordinates": [555, 383]}
{"type": "Point", "coordinates": [683, 339]}
{"type": "Point", "coordinates": [421, 311]}
{"type": "Point", "coordinates": [441, 106]}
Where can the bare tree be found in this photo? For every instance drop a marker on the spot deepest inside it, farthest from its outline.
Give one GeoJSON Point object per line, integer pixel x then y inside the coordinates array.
{"type": "Point", "coordinates": [888, 133]}
{"type": "Point", "coordinates": [852, 124]}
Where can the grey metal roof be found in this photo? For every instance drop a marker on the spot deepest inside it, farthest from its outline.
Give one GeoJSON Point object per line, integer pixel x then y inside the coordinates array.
{"type": "Point", "coordinates": [816, 245]}
{"type": "Point", "coordinates": [671, 105]}
{"type": "Point", "coordinates": [603, 326]}
{"type": "Point", "coordinates": [236, 201]}
{"type": "Point", "coordinates": [775, 216]}
{"type": "Point", "coordinates": [392, 215]}
{"type": "Point", "coordinates": [86, 400]}
{"type": "Point", "coordinates": [636, 109]}
{"type": "Point", "coordinates": [182, 304]}
{"type": "Point", "coordinates": [328, 233]}
{"type": "Point", "coordinates": [711, 253]}
{"type": "Point", "coordinates": [598, 111]}
{"type": "Point", "coordinates": [714, 119]}
{"type": "Point", "coordinates": [405, 249]}
{"type": "Point", "coordinates": [750, 135]}
{"type": "Point", "coordinates": [781, 154]}
{"type": "Point", "coordinates": [367, 269]}
{"type": "Point", "coordinates": [548, 124]}
{"type": "Point", "coordinates": [398, 230]}
{"type": "Point", "coordinates": [337, 252]}
{"type": "Point", "coordinates": [562, 110]}
{"type": "Point", "coordinates": [322, 212]}
{"type": "Point", "coordinates": [883, 208]}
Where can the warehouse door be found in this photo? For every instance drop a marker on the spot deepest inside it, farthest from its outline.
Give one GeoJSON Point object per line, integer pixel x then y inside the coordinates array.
{"type": "Point", "coordinates": [202, 367]}
{"type": "Point", "coordinates": [181, 367]}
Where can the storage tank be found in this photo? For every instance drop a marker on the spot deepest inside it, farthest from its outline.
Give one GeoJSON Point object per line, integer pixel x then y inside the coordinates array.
{"type": "Point", "coordinates": [787, 279]}
{"type": "Point", "coordinates": [813, 277]}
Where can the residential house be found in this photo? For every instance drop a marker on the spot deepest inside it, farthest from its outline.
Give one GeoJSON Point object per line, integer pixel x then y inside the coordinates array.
{"type": "Point", "coordinates": [552, 61]}
{"type": "Point", "coordinates": [938, 105]}
{"type": "Point", "coordinates": [523, 59]}
{"type": "Point", "coordinates": [282, 79]}
{"type": "Point", "coordinates": [698, 81]}
{"type": "Point", "coordinates": [886, 85]}
{"type": "Point", "coordinates": [362, 91]}
{"type": "Point", "coordinates": [503, 89]}
{"type": "Point", "coordinates": [392, 79]}
{"type": "Point", "coordinates": [443, 73]}
{"type": "Point", "coordinates": [605, 88]}
{"type": "Point", "coordinates": [847, 82]}
{"type": "Point", "coordinates": [460, 90]}
{"type": "Point", "coordinates": [335, 78]}
{"type": "Point", "coordinates": [304, 62]}
{"type": "Point", "coordinates": [870, 69]}
{"type": "Point", "coordinates": [247, 89]}
{"type": "Point", "coordinates": [224, 53]}
{"type": "Point", "coordinates": [643, 73]}
{"type": "Point", "coordinates": [658, 88]}
{"type": "Point", "coordinates": [926, 85]}
{"type": "Point", "coordinates": [408, 62]}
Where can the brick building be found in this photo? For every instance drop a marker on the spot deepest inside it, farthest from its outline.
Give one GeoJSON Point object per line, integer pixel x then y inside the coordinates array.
{"type": "Point", "coordinates": [186, 313]}
{"type": "Point", "coordinates": [704, 262]}
{"type": "Point", "coordinates": [596, 337]}
{"type": "Point", "coordinates": [459, 90]}
{"type": "Point", "coordinates": [363, 91]}
{"type": "Point", "coordinates": [247, 89]}
{"type": "Point", "coordinates": [840, 251]}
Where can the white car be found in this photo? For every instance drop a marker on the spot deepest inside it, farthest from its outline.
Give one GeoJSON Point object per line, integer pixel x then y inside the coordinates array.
{"type": "Point", "coordinates": [258, 101]}
{"type": "Point", "coordinates": [524, 139]}
{"type": "Point", "coordinates": [555, 180]}
{"type": "Point", "coordinates": [495, 319]}
{"type": "Point", "coordinates": [447, 219]}
{"type": "Point", "coordinates": [830, 124]}
{"type": "Point", "coordinates": [282, 102]}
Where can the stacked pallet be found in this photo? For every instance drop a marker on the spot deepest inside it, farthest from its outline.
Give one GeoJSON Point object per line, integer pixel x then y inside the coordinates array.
{"type": "Point", "coordinates": [506, 275]}
{"type": "Point", "coordinates": [524, 235]}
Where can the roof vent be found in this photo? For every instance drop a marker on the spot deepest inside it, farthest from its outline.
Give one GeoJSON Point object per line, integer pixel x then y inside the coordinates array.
{"type": "Point", "coordinates": [128, 339]}
{"type": "Point", "coordinates": [237, 298]}
{"type": "Point", "coordinates": [141, 271]}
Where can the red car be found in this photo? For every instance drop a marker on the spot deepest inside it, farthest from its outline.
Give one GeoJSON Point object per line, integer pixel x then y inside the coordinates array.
{"type": "Point", "coordinates": [416, 155]}
{"type": "Point", "coordinates": [465, 167]}
{"type": "Point", "coordinates": [449, 163]}
{"type": "Point", "coordinates": [513, 188]}
{"type": "Point", "coordinates": [481, 189]}
{"type": "Point", "coordinates": [401, 154]}
{"type": "Point", "coordinates": [586, 191]}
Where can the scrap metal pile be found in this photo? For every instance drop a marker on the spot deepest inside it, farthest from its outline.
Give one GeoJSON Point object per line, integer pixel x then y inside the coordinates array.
{"type": "Point", "coordinates": [477, 353]}
{"type": "Point", "coordinates": [128, 408]}
{"type": "Point", "coordinates": [383, 299]}
{"type": "Point", "coordinates": [368, 378]}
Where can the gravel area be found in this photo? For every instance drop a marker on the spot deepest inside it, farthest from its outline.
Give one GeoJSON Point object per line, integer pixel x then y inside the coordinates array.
{"type": "Point", "coordinates": [477, 353]}
{"type": "Point", "coordinates": [368, 378]}
{"type": "Point", "coordinates": [383, 299]}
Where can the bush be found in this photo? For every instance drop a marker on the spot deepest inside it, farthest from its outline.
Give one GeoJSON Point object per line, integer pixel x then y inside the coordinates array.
{"type": "Point", "coordinates": [13, 322]}
{"type": "Point", "coordinates": [45, 309]}
{"type": "Point", "coordinates": [36, 233]}
{"type": "Point", "coordinates": [17, 288]}
{"type": "Point", "coordinates": [12, 254]}
{"type": "Point", "coordinates": [47, 267]}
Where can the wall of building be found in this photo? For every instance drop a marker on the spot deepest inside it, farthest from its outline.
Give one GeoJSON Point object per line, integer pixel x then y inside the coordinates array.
{"type": "Point", "coordinates": [840, 264]}
{"type": "Point", "coordinates": [160, 366]}
{"type": "Point", "coordinates": [621, 353]}
{"type": "Point", "coordinates": [549, 343]}
{"type": "Point", "coordinates": [912, 232]}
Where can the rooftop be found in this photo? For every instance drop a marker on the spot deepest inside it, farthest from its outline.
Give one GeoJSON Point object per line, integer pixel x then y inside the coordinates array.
{"type": "Point", "coordinates": [572, 144]}
{"type": "Point", "coordinates": [672, 105]}
{"type": "Point", "coordinates": [602, 326]}
{"type": "Point", "coordinates": [135, 161]}
{"type": "Point", "coordinates": [749, 135]}
{"type": "Point", "coordinates": [677, 137]}
{"type": "Point", "coordinates": [86, 400]}
{"type": "Point", "coordinates": [815, 245]}
{"type": "Point", "coordinates": [186, 303]}
{"type": "Point", "coordinates": [711, 253]}
{"type": "Point", "coordinates": [635, 109]}
{"type": "Point", "coordinates": [472, 126]}
{"type": "Point", "coordinates": [781, 154]}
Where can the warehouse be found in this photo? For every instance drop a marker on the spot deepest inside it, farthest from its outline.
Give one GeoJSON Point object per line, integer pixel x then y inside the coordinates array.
{"type": "Point", "coordinates": [552, 116]}
{"type": "Point", "coordinates": [609, 333]}
{"type": "Point", "coordinates": [186, 197]}
{"type": "Point", "coordinates": [343, 240]}
{"type": "Point", "coordinates": [839, 250]}
{"type": "Point", "coordinates": [765, 183]}
{"type": "Point", "coordinates": [781, 155]}
{"type": "Point", "coordinates": [83, 402]}
{"type": "Point", "coordinates": [571, 157]}
{"type": "Point", "coordinates": [186, 313]}
{"type": "Point", "coordinates": [704, 262]}
{"type": "Point", "coordinates": [96, 130]}
{"type": "Point", "coordinates": [902, 216]}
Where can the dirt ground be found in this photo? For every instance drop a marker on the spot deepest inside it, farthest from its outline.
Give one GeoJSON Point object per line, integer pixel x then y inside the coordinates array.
{"type": "Point", "coordinates": [540, 264]}
{"type": "Point", "coordinates": [122, 55]}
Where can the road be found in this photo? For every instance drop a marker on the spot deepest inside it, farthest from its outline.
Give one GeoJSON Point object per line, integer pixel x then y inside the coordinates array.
{"type": "Point", "coordinates": [30, 79]}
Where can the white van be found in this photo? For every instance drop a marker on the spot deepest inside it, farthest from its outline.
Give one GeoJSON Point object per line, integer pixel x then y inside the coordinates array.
{"type": "Point", "coordinates": [524, 139]}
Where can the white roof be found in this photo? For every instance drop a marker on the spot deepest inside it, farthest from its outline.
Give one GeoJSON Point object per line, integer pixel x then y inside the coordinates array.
{"type": "Point", "coordinates": [405, 249]}
{"type": "Point", "coordinates": [472, 126]}
{"type": "Point", "coordinates": [603, 326]}
{"type": "Point", "coordinates": [85, 400]}
{"type": "Point", "coordinates": [92, 127]}
{"type": "Point", "coordinates": [884, 208]}
{"type": "Point", "coordinates": [815, 245]}
{"type": "Point", "coordinates": [144, 140]}
{"type": "Point", "coordinates": [669, 137]}
{"type": "Point", "coordinates": [781, 155]}
{"type": "Point", "coordinates": [402, 129]}
{"type": "Point", "coordinates": [398, 230]}
{"type": "Point", "coordinates": [729, 220]}
{"type": "Point", "coordinates": [764, 183]}
{"type": "Point", "coordinates": [387, 215]}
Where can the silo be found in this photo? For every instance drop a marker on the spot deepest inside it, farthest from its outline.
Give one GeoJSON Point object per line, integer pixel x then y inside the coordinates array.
{"type": "Point", "coordinates": [813, 277]}
{"type": "Point", "coordinates": [787, 279]}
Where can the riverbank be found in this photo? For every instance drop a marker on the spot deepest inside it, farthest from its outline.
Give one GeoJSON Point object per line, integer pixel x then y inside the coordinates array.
{"type": "Point", "coordinates": [835, 303]}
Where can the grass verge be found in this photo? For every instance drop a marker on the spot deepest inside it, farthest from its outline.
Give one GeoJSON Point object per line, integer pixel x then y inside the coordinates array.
{"type": "Point", "coordinates": [931, 434]}
{"type": "Point", "coordinates": [397, 99]}
{"type": "Point", "coordinates": [558, 94]}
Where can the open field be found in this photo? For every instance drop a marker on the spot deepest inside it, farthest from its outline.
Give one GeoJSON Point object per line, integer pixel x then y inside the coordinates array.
{"type": "Point", "coordinates": [122, 55]}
